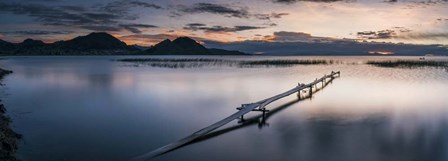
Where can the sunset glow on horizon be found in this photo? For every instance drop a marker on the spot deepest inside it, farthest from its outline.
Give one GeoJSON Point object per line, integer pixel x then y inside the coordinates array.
{"type": "Point", "coordinates": [148, 22]}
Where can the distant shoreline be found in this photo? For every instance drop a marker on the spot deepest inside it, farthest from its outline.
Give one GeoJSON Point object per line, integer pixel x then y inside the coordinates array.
{"type": "Point", "coordinates": [102, 43]}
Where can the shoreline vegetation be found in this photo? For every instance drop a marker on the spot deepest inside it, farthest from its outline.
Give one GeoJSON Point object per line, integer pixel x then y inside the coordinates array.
{"type": "Point", "coordinates": [204, 62]}
{"type": "Point", "coordinates": [197, 63]}
{"type": "Point", "coordinates": [409, 64]}
{"type": "Point", "coordinates": [8, 137]}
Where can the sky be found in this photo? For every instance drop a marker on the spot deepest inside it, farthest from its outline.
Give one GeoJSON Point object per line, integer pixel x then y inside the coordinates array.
{"type": "Point", "coordinates": [146, 22]}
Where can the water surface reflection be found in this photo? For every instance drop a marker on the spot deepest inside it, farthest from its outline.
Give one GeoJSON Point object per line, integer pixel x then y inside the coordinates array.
{"type": "Point", "coordinates": [95, 109]}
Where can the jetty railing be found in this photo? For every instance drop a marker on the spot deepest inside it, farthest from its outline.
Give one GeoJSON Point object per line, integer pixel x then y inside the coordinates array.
{"type": "Point", "coordinates": [244, 109]}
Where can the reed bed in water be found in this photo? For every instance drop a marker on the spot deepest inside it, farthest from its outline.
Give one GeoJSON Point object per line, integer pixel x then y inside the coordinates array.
{"type": "Point", "coordinates": [409, 64]}
{"type": "Point", "coordinates": [170, 60]}
{"type": "Point", "coordinates": [202, 62]}
{"type": "Point", "coordinates": [284, 62]}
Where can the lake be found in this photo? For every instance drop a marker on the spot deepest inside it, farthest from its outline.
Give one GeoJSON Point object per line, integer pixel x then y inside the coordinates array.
{"type": "Point", "coordinates": [94, 108]}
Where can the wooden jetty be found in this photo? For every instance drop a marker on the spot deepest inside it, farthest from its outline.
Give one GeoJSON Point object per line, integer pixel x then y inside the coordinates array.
{"type": "Point", "coordinates": [244, 109]}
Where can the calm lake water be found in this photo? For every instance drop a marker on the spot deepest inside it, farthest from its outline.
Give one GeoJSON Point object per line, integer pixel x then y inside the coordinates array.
{"type": "Point", "coordinates": [95, 109]}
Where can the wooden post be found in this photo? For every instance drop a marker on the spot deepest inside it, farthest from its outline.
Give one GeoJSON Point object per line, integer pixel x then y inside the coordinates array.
{"type": "Point", "coordinates": [264, 117]}
{"type": "Point", "coordinates": [311, 90]}
{"type": "Point", "coordinates": [298, 92]}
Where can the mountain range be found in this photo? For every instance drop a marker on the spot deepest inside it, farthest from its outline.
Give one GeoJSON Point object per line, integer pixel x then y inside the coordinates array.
{"type": "Point", "coordinates": [101, 43]}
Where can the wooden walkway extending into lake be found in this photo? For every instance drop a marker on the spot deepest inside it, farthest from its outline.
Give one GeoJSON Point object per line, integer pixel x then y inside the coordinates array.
{"type": "Point", "coordinates": [244, 109]}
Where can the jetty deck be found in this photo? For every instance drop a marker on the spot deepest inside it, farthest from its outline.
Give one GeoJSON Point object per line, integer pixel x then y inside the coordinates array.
{"type": "Point", "coordinates": [244, 109]}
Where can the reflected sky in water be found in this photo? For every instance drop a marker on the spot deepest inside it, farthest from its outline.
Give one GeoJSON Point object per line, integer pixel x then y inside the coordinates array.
{"type": "Point", "coordinates": [95, 109]}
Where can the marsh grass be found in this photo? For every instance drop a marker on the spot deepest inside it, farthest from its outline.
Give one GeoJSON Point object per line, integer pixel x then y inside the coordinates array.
{"type": "Point", "coordinates": [178, 63]}
{"type": "Point", "coordinates": [409, 64]}
{"type": "Point", "coordinates": [202, 62]}
{"type": "Point", "coordinates": [170, 60]}
{"type": "Point", "coordinates": [280, 63]}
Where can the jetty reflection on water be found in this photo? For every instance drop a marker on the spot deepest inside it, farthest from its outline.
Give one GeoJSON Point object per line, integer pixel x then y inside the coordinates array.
{"type": "Point", "coordinates": [260, 120]}
{"type": "Point", "coordinates": [96, 109]}
{"type": "Point", "coordinates": [259, 106]}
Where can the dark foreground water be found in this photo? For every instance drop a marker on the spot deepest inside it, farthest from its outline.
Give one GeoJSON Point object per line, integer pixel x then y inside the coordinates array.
{"type": "Point", "coordinates": [95, 109]}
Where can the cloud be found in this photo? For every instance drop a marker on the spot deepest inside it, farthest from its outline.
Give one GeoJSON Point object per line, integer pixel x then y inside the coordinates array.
{"type": "Point", "coordinates": [401, 29]}
{"type": "Point", "coordinates": [269, 16]}
{"type": "Point", "coordinates": [73, 8]}
{"type": "Point", "coordinates": [123, 6]}
{"type": "Point", "coordinates": [421, 2]}
{"type": "Point", "coordinates": [218, 29]}
{"type": "Point", "coordinates": [393, 32]}
{"type": "Point", "coordinates": [382, 34]}
{"type": "Point", "coordinates": [401, 33]}
{"type": "Point", "coordinates": [329, 1]}
{"type": "Point", "coordinates": [100, 28]}
{"type": "Point", "coordinates": [288, 36]}
{"type": "Point", "coordinates": [42, 0]}
{"type": "Point", "coordinates": [271, 24]}
{"type": "Point", "coordinates": [135, 28]}
{"type": "Point", "coordinates": [58, 15]}
{"type": "Point", "coordinates": [37, 32]}
{"type": "Point", "coordinates": [424, 36]}
{"type": "Point", "coordinates": [294, 1]}
{"type": "Point", "coordinates": [412, 4]}
{"type": "Point", "coordinates": [226, 10]}
{"type": "Point", "coordinates": [285, 36]}
{"type": "Point", "coordinates": [107, 18]}
{"type": "Point", "coordinates": [194, 26]}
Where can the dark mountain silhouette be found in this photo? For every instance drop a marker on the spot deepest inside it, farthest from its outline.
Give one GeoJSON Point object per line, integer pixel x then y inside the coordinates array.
{"type": "Point", "coordinates": [31, 47]}
{"type": "Point", "coordinates": [4, 45]}
{"type": "Point", "coordinates": [180, 46]}
{"type": "Point", "coordinates": [94, 41]}
{"type": "Point", "coordinates": [32, 43]}
{"type": "Point", "coordinates": [97, 43]}
{"type": "Point", "coordinates": [190, 46]}
{"type": "Point", "coordinates": [164, 47]}
{"type": "Point", "coordinates": [186, 46]}
{"type": "Point", "coordinates": [101, 43]}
